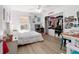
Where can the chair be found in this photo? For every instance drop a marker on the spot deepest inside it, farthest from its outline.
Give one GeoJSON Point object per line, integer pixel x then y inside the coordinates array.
{"type": "Point", "coordinates": [63, 42]}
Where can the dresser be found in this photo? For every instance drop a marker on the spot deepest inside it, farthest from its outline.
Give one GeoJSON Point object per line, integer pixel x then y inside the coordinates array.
{"type": "Point", "coordinates": [51, 32]}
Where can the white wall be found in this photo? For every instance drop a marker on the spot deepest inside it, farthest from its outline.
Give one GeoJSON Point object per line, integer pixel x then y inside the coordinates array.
{"type": "Point", "coordinates": [1, 18]}
{"type": "Point", "coordinates": [68, 10]}
{"type": "Point", "coordinates": [15, 19]}
{"type": "Point", "coordinates": [2, 21]}
{"type": "Point", "coordinates": [35, 19]}
{"type": "Point", "coordinates": [43, 18]}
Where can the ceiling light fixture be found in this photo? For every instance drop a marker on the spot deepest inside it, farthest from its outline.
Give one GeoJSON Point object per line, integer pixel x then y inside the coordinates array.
{"type": "Point", "coordinates": [38, 9]}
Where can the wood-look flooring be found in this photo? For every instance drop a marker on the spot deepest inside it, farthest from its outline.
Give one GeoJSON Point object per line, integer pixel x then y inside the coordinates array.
{"type": "Point", "coordinates": [50, 45]}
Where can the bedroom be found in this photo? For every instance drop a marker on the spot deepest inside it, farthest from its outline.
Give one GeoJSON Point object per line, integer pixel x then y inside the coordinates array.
{"type": "Point", "coordinates": [34, 29]}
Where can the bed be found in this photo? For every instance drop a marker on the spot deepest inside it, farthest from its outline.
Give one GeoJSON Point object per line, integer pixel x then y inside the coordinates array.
{"type": "Point", "coordinates": [29, 37]}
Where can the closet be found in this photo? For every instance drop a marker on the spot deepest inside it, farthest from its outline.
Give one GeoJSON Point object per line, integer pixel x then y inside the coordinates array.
{"type": "Point", "coordinates": [54, 25]}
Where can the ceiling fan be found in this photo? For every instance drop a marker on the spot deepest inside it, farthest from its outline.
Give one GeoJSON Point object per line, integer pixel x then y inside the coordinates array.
{"type": "Point", "coordinates": [39, 8]}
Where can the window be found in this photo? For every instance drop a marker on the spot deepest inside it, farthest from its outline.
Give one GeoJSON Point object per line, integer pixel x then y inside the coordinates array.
{"type": "Point", "coordinates": [24, 20]}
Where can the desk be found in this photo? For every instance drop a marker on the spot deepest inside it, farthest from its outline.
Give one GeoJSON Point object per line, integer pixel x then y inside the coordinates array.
{"type": "Point", "coordinates": [66, 36]}
{"type": "Point", "coordinates": [71, 37]}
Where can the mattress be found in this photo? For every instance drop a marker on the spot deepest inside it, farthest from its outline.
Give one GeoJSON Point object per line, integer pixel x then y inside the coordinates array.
{"type": "Point", "coordinates": [29, 37]}
{"type": "Point", "coordinates": [30, 34]}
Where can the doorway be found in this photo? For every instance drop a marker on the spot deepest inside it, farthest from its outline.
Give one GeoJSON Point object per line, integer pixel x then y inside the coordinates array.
{"type": "Point", "coordinates": [54, 23]}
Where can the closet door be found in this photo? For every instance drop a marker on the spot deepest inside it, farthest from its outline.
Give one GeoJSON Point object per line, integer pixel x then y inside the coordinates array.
{"type": "Point", "coordinates": [78, 16]}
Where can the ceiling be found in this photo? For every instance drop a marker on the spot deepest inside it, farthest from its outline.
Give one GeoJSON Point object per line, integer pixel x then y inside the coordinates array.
{"type": "Point", "coordinates": [34, 8]}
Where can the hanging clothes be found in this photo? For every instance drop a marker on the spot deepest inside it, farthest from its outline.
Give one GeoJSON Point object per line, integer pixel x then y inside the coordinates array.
{"type": "Point", "coordinates": [53, 20]}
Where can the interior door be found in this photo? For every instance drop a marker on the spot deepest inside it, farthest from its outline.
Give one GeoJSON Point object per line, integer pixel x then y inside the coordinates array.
{"type": "Point", "coordinates": [46, 24]}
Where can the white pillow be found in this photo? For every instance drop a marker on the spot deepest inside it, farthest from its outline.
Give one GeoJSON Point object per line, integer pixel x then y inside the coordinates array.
{"type": "Point", "coordinates": [22, 31]}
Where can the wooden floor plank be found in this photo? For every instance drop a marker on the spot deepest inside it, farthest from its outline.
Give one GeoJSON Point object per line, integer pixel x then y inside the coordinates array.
{"type": "Point", "coordinates": [50, 45]}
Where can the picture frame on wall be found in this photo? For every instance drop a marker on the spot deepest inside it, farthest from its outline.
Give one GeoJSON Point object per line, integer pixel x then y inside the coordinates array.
{"type": "Point", "coordinates": [69, 22]}
{"type": "Point", "coordinates": [38, 19]}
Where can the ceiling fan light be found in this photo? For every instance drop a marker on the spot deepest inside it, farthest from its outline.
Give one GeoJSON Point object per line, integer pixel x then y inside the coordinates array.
{"type": "Point", "coordinates": [38, 10]}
